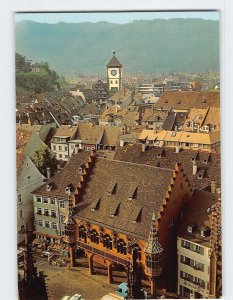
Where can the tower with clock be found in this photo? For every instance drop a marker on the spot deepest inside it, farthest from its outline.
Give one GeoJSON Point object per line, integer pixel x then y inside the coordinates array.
{"type": "Point", "coordinates": [114, 74]}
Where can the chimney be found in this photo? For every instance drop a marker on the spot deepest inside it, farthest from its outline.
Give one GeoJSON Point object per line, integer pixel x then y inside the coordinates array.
{"type": "Point", "coordinates": [144, 146]}
{"type": "Point", "coordinates": [48, 173]}
{"type": "Point", "coordinates": [76, 148]}
{"type": "Point", "coordinates": [177, 149]}
{"type": "Point", "coordinates": [213, 186]}
{"type": "Point", "coordinates": [194, 167]}
{"type": "Point", "coordinates": [121, 142]}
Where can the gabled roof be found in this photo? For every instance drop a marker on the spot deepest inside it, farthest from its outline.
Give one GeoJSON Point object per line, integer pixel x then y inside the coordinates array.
{"type": "Point", "coordinates": [114, 62]}
{"type": "Point", "coordinates": [198, 211]}
{"type": "Point", "coordinates": [66, 131]}
{"type": "Point", "coordinates": [125, 212]}
{"type": "Point", "coordinates": [185, 99]}
{"type": "Point", "coordinates": [211, 162]}
{"type": "Point", "coordinates": [69, 176]}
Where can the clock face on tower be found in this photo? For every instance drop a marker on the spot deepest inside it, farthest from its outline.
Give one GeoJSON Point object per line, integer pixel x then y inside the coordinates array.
{"type": "Point", "coordinates": [113, 72]}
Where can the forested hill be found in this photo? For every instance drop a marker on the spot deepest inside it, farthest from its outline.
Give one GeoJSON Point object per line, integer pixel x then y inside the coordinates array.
{"type": "Point", "coordinates": [174, 45]}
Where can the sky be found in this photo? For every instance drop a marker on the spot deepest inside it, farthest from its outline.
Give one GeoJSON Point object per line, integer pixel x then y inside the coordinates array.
{"type": "Point", "coordinates": [119, 18]}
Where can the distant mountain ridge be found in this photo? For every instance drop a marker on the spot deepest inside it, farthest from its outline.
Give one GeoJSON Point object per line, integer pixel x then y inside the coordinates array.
{"type": "Point", "coordinates": [157, 46]}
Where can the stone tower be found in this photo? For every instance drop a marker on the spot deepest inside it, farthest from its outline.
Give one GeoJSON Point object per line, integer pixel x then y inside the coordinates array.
{"type": "Point", "coordinates": [114, 74]}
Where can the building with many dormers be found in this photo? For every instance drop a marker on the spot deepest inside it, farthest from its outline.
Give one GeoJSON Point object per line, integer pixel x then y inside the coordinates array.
{"type": "Point", "coordinates": [199, 247]}
{"type": "Point", "coordinates": [113, 203]}
{"type": "Point", "coordinates": [114, 74]}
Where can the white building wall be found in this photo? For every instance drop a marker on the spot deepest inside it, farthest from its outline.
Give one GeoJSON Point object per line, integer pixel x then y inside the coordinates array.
{"type": "Point", "coordinates": [28, 180]}
{"type": "Point", "coordinates": [202, 258]}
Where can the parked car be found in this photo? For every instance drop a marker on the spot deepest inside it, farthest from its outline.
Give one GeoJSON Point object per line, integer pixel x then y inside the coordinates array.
{"type": "Point", "coordinates": [122, 289]}
{"type": "Point", "coordinates": [112, 296]}
{"type": "Point", "coordinates": [74, 297]}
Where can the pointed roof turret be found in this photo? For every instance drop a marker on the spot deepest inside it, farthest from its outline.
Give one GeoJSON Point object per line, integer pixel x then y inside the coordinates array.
{"type": "Point", "coordinates": [153, 245]}
{"type": "Point", "coordinates": [69, 220]}
{"type": "Point", "coordinates": [114, 62]}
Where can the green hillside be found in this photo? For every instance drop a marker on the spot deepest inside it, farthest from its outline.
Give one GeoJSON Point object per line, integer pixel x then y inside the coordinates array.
{"type": "Point", "coordinates": [175, 45]}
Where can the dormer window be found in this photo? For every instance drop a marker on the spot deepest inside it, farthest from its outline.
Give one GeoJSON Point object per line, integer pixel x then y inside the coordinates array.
{"type": "Point", "coordinates": [200, 174]}
{"type": "Point", "coordinates": [95, 205]}
{"type": "Point", "coordinates": [112, 188]}
{"type": "Point", "coordinates": [191, 228]}
{"type": "Point", "coordinates": [68, 189]}
{"type": "Point", "coordinates": [159, 155]}
{"type": "Point", "coordinates": [136, 215]}
{"type": "Point", "coordinates": [205, 231]}
{"type": "Point", "coordinates": [133, 192]}
{"type": "Point", "coordinates": [80, 170]}
{"type": "Point", "coordinates": [49, 187]}
{"type": "Point", "coordinates": [115, 210]}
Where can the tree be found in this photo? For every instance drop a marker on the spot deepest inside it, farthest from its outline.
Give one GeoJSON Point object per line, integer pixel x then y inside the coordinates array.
{"type": "Point", "coordinates": [44, 159]}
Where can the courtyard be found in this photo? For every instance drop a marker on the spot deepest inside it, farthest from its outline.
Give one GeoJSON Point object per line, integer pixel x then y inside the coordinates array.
{"type": "Point", "coordinates": [63, 281]}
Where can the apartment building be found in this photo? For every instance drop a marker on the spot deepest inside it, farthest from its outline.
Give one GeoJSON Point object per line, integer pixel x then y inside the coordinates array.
{"type": "Point", "coordinates": [193, 247]}
{"type": "Point", "coordinates": [51, 199]}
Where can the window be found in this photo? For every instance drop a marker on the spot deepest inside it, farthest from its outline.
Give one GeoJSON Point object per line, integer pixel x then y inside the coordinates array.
{"type": "Point", "coordinates": [62, 218]}
{"type": "Point", "coordinates": [60, 155]}
{"type": "Point", "coordinates": [138, 252]}
{"type": "Point", "coordinates": [52, 201]}
{"type": "Point", "coordinates": [45, 200]}
{"type": "Point", "coordinates": [198, 249]}
{"type": "Point", "coordinates": [59, 147]}
{"type": "Point", "coordinates": [66, 156]}
{"type": "Point", "coordinates": [107, 241]}
{"type": "Point", "coordinates": [47, 224]}
{"type": "Point", "coordinates": [54, 147]}
{"type": "Point", "coordinates": [66, 148]}
{"type": "Point", "coordinates": [19, 198]}
{"type": "Point", "coordinates": [116, 81]}
{"type": "Point", "coordinates": [38, 199]}
{"type": "Point", "coordinates": [54, 225]}
{"type": "Point", "coordinates": [185, 244]}
{"type": "Point", "coordinates": [82, 233]}
{"type": "Point", "coordinates": [62, 204]}
{"type": "Point", "coordinates": [46, 212]}
{"type": "Point", "coordinates": [40, 222]}
{"type": "Point", "coordinates": [21, 214]}
{"type": "Point", "coordinates": [94, 237]}
{"type": "Point", "coordinates": [192, 263]}
{"type": "Point", "coordinates": [53, 213]}
{"type": "Point", "coordinates": [39, 211]}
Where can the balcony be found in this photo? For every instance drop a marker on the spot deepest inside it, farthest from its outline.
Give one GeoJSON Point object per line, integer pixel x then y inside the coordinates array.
{"type": "Point", "coordinates": [46, 214]}
{"type": "Point", "coordinates": [39, 213]}
{"type": "Point", "coordinates": [53, 215]}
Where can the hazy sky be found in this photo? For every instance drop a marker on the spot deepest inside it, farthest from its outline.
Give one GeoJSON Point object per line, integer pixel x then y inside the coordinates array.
{"type": "Point", "coordinates": [111, 17]}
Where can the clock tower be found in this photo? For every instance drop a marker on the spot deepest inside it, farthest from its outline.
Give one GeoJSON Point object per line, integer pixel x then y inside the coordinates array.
{"type": "Point", "coordinates": [114, 74]}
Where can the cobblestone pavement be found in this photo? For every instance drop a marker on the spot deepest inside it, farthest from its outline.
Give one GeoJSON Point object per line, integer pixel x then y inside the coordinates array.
{"type": "Point", "coordinates": [62, 281]}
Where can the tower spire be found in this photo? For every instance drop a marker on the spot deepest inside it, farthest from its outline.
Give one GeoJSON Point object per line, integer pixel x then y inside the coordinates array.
{"type": "Point", "coordinates": [153, 252]}
{"type": "Point", "coordinates": [153, 245]}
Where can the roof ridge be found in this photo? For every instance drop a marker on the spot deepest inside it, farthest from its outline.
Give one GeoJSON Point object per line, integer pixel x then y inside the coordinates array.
{"type": "Point", "coordinates": [132, 163]}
